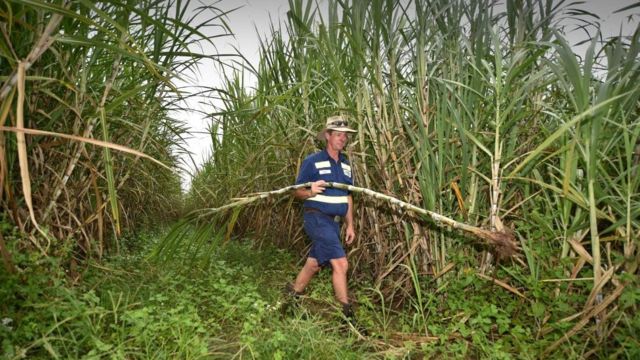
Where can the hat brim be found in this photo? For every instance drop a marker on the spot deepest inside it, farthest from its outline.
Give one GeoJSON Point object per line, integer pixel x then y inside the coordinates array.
{"type": "Point", "coordinates": [343, 129]}
{"type": "Point", "coordinates": [320, 135]}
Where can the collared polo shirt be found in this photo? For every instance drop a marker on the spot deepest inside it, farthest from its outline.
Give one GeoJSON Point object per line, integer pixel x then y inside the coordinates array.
{"type": "Point", "coordinates": [320, 166]}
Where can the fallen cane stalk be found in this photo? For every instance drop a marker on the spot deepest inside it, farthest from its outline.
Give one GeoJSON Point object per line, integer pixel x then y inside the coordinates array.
{"type": "Point", "coordinates": [504, 243]}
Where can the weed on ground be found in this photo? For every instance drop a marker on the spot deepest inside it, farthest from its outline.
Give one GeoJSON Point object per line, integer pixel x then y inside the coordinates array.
{"type": "Point", "coordinates": [228, 303]}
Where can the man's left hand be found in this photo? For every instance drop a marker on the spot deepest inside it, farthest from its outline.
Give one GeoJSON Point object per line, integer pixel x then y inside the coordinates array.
{"type": "Point", "coordinates": [350, 235]}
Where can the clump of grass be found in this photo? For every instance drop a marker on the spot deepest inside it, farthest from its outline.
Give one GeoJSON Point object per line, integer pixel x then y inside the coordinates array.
{"type": "Point", "coordinates": [128, 307]}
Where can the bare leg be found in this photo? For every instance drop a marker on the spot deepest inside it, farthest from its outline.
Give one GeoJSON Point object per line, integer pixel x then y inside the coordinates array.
{"type": "Point", "coordinates": [339, 277]}
{"type": "Point", "coordinates": [309, 269]}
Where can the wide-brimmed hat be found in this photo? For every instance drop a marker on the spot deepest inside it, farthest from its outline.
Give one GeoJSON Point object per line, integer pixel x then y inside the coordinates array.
{"type": "Point", "coordinates": [336, 123]}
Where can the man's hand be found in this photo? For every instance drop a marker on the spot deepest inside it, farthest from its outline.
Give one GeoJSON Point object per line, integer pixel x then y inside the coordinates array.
{"type": "Point", "coordinates": [317, 187]}
{"type": "Point", "coordinates": [350, 235]}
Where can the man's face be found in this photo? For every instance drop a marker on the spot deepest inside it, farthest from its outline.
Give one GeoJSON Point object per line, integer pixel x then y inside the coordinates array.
{"type": "Point", "coordinates": [336, 140]}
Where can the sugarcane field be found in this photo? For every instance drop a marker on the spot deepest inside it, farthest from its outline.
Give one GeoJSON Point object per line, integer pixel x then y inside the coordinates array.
{"type": "Point", "coordinates": [319, 179]}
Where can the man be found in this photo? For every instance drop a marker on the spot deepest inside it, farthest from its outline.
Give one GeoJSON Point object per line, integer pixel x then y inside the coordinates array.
{"type": "Point", "coordinates": [323, 209]}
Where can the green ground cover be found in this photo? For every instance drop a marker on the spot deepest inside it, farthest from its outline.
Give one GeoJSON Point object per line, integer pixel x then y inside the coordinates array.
{"type": "Point", "coordinates": [129, 307]}
{"type": "Point", "coordinates": [226, 304]}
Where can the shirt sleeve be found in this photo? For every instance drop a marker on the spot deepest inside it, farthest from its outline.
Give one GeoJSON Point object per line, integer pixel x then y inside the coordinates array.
{"type": "Point", "coordinates": [305, 173]}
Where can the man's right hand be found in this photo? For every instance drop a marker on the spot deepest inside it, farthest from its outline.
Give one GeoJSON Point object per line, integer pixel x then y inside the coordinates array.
{"type": "Point", "coordinates": [317, 187]}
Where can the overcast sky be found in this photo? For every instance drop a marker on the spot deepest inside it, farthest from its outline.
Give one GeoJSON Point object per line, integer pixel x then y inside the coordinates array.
{"type": "Point", "coordinates": [258, 14]}
{"type": "Point", "coordinates": [250, 15]}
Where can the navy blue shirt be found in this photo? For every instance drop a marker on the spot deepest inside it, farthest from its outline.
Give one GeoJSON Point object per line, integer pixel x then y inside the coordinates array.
{"type": "Point", "coordinates": [321, 166]}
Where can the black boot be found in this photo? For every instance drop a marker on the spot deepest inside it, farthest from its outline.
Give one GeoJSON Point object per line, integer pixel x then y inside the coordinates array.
{"type": "Point", "coordinates": [290, 291]}
{"type": "Point", "coordinates": [347, 311]}
{"type": "Point", "coordinates": [350, 319]}
{"type": "Point", "coordinates": [291, 300]}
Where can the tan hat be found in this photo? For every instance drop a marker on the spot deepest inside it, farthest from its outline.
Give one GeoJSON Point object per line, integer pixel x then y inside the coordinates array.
{"type": "Point", "coordinates": [336, 123]}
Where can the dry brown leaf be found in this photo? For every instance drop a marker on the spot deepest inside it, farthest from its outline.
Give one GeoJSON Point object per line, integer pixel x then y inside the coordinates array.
{"type": "Point", "coordinates": [83, 139]}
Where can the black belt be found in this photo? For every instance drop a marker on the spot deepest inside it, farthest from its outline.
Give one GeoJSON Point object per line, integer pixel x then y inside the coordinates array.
{"type": "Point", "coordinates": [314, 210]}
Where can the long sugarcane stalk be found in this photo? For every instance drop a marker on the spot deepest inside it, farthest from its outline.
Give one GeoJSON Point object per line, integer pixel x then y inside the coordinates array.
{"type": "Point", "coordinates": [504, 243]}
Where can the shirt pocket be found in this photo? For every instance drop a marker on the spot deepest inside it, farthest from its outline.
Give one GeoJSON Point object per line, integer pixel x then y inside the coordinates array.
{"type": "Point", "coordinates": [323, 170]}
{"type": "Point", "coordinates": [346, 170]}
{"type": "Point", "coordinates": [326, 175]}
